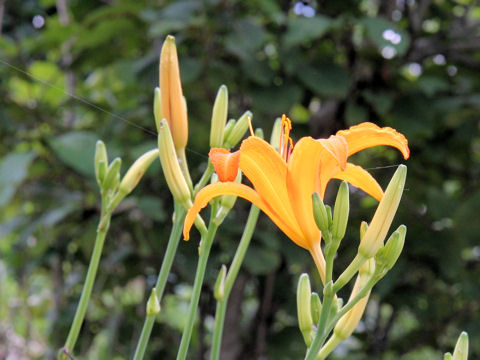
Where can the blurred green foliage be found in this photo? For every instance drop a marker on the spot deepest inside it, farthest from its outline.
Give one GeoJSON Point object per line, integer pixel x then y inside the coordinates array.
{"type": "Point", "coordinates": [74, 71]}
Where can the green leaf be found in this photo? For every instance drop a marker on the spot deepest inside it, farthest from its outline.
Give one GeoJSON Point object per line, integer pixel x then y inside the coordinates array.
{"type": "Point", "coordinates": [376, 26]}
{"type": "Point", "coordinates": [328, 79]}
{"type": "Point", "coordinates": [14, 169]}
{"type": "Point", "coordinates": [301, 29]}
{"type": "Point", "coordinates": [77, 150]}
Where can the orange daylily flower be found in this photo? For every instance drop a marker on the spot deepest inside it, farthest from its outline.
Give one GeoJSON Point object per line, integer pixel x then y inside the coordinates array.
{"type": "Point", "coordinates": [284, 181]}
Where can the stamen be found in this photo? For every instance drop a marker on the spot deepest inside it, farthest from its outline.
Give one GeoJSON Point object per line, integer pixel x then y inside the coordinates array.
{"type": "Point", "coordinates": [250, 127]}
{"type": "Point", "coordinates": [285, 144]}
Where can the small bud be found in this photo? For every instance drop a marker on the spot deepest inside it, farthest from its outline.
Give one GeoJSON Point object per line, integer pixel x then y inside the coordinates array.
{"type": "Point", "coordinates": [219, 289]}
{"type": "Point", "coordinates": [320, 213]}
{"type": "Point", "coordinates": [219, 117]}
{"type": "Point", "coordinates": [239, 130]}
{"type": "Point", "coordinates": [316, 306]}
{"type": "Point", "coordinates": [173, 106]}
{"type": "Point", "coordinates": [259, 133]}
{"type": "Point", "coordinates": [101, 162]}
{"type": "Point", "coordinates": [227, 131]}
{"type": "Point", "coordinates": [304, 310]}
{"type": "Point", "coordinates": [447, 356]}
{"type": "Point", "coordinates": [329, 215]}
{"type": "Point", "coordinates": [347, 324]}
{"type": "Point", "coordinates": [363, 229]}
{"type": "Point", "coordinates": [388, 255]}
{"type": "Point", "coordinates": [153, 305]}
{"type": "Point", "coordinates": [461, 349]}
{"type": "Point", "coordinates": [276, 133]}
{"type": "Point", "coordinates": [136, 171]}
{"type": "Point", "coordinates": [113, 175]}
{"type": "Point", "coordinates": [171, 169]}
{"type": "Point", "coordinates": [157, 107]}
{"type": "Point", "coordinates": [377, 230]}
{"type": "Point", "coordinates": [340, 212]}
{"type": "Point", "coordinates": [226, 202]}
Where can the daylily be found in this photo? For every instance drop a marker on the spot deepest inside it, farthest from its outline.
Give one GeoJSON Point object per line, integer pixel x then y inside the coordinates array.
{"type": "Point", "coordinates": [284, 180]}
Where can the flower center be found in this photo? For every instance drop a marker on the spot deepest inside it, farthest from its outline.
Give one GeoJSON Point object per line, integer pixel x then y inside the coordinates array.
{"type": "Point", "coordinates": [285, 147]}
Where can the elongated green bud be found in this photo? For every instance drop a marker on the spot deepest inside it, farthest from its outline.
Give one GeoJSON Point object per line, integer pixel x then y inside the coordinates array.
{"type": "Point", "coordinates": [304, 309]}
{"type": "Point", "coordinates": [101, 162]}
{"type": "Point", "coordinates": [157, 107]}
{"type": "Point", "coordinates": [447, 356]}
{"type": "Point", "coordinates": [153, 305]}
{"type": "Point", "coordinates": [227, 131]}
{"type": "Point", "coordinates": [171, 169]}
{"type": "Point", "coordinates": [329, 215]}
{"type": "Point", "coordinates": [276, 132]}
{"type": "Point", "coordinates": [136, 171]}
{"type": "Point", "coordinates": [219, 117]}
{"type": "Point", "coordinates": [259, 133]}
{"type": "Point", "coordinates": [461, 349]}
{"type": "Point", "coordinates": [239, 130]}
{"type": "Point", "coordinates": [316, 306]}
{"type": "Point", "coordinates": [219, 289]}
{"type": "Point", "coordinates": [363, 229]}
{"type": "Point", "coordinates": [113, 175]}
{"type": "Point", "coordinates": [340, 213]}
{"type": "Point", "coordinates": [388, 255]}
{"type": "Point", "coordinates": [378, 228]}
{"type": "Point", "coordinates": [320, 213]}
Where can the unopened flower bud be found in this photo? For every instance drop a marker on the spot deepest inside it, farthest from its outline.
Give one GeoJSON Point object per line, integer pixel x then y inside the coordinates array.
{"type": "Point", "coordinates": [377, 230]}
{"type": "Point", "coordinates": [388, 255]}
{"type": "Point", "coordinates": [259, 133]}
{"type": "Point", "coordinates": [447, 356]}
{"type": "Point", "coordinates": [113, 175]}
{"type": "Point", "coordinates": [340, 212]}
{"type": "Point", "coordinates": [304, 310]}
{"type": "Point", "coordinates": [157, 107]}
{"type": "Point", "coordinates": [276, 133]}
{"type": "Point", "coordinates": [219, 117]}
{"type": "Point", "coordinates": [239, 130]}
{"type": "Point", "coordinates": [171, 169]}
{"type": "Point", "coordinates": [316, 306]}
{"type": "Point", "coordinates": [461, 349]}
{"type": "Point", "coordinates": [226, 132]}
{"type": "Point", "coordinates": [320, 213]}
{"type": "Point", "coordinates": [347, 324]}
{"type": "Point", "coordinates": [153, 305]}
{"type": "Point", "coordinates": [101, 162]}
{"type": "Point", "coordinates": [136, 171]}
{"type": "Point", "coordinates": [363, 229]}
{"type": "Point", "coordinates": [173, 106]}
{"type": "Point", "coordinates": [219, 289]}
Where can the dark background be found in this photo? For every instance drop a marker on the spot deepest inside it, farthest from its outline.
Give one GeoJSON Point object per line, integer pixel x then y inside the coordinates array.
{"type": "Point", "coordinates": [409, 64]}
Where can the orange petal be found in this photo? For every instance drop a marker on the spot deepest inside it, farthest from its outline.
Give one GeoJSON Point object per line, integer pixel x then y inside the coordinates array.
{"type": "Point", "coordinates": [267, 171]}
{"type": "Point", "coordinates": [361, 178]}
{"type": "Point", "coordinates": [225, 163]}
{"type": "Point", "coordinates": [211, 191]}
{"type": "Point", "coordinates": [367, 135]}
{"type": "Point", "coordinates": [302, 175]}
{"type": "Point", "coordinates": [337, 147]}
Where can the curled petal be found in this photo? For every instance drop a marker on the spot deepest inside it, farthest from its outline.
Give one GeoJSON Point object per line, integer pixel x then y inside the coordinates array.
{"type": "Point", "coordinates": [361, 178]}
{"type": "Point", "coordinates": [225, 163]}
{"type": "Point", "coordinates": [337, 147]}
{"type": "Point", "coordinates": [211, 191]}
{"type": "Point", "coordinates": [367, 134]}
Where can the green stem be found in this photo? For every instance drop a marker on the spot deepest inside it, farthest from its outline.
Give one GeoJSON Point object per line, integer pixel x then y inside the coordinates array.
{"type": "Point", "coordinates": [205, 178]}
{"type": "Point", "coordinates": [205, 246]}
{"type": "Point", "coordinates": [349, 272]}
{"type": "Point", "coordinates": [230, 280]}
{"type": "Point", "coordinates": [72, 337]}
{"type": "Point", "coordinates": [328, 298]}
{"type": "Point", "coordinates": [167, 262]}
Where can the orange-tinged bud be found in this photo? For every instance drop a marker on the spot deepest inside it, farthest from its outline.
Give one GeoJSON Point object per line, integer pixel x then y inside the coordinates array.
{"type": "Point", "coordinates": [225, 163]}
{"type": "Point", "coordinates": [173, 106]}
